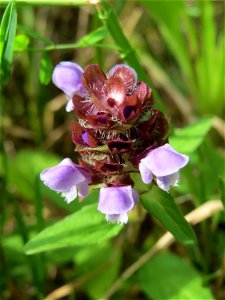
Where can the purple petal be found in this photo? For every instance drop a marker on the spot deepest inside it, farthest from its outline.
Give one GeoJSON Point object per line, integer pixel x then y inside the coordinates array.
{"type": "Point", "coordinates": [70, 195]}
{"type": "Point", "coordinates": [116, 200]}
{"type": "Point", "coordinates": [85, 137]}
{"type": "Point", "coordinates": [85, 173]}
{"type": "Point", "coordinates": [62, 177]}
{"type": "Point", "coordinates": [82, 189]}
{"type": "Point", "coordinates": [146, 173]}
{"type": "Point", "coordinates": [135, 196]}
{"type": "Point", "coordinates": [120, 218]}
{"type": "Point", "coordinates": [164, 161]}
{"type": "Point", "coordinates": [70, 105]}
{"type": "Point", "coordinates": [166, 181]}
{"type": "Point", "coordinates": [67, 76]}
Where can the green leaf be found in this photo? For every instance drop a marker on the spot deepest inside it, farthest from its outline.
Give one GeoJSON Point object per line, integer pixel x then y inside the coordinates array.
{"type": "Point", "coordinates": [21, 42]}
{"type": "Point", "coordinates": [23, 173]}
{"type": "Point", "coordinates": [24, 168]}
{"type": "Point", "coordinates": [7, 35]}
{"type": "Point", "coordinates": [105, 258]}
{"type": "Point", "coordinates": [61, 256]}
{"type": "Point", "coordinates": [162, 206]}
{"type": "Point", "coordinates": [188, 139]}
{"type": "Point", "coordinates": [5, 25]}
{"type": "Point", "coordinates": [93, 38]}
{"type": "Point", "coordinates": [209, 51]}
{"type": "Point", "coordinates": [12, 250]}
{"type": "Point", "coordinates": [34, 34]}
{"type": "Point", "coordinates": [85, 227]}
{"type": "Point", "coordinates": [46, 68]}
{"type": "Point", "coordinates": [98, 285]}
{"type": "Point", "coordinates": [167, 276]}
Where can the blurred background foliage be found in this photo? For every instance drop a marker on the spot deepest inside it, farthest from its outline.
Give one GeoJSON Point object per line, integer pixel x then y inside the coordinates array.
{"type": "Point", "coordinates": [178, 48]}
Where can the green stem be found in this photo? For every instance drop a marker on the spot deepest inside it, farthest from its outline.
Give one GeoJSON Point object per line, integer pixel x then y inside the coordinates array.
{"type": "Point", "coordinates": [66, 47]}
{"type": "Point", "coordinates": [48, 3]}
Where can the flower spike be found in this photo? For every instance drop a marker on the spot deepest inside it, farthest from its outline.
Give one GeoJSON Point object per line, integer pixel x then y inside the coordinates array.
{"type": "Point", "coordinates": [117, 131]}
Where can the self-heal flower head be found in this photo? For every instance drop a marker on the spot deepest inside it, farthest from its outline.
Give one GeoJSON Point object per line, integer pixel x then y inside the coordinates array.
{"type": "Point", "coordinates": [164, 163]}
{"type": "Point", "coordinates": [117, 130]}
{"type": "Point", "coordinates": [116, 201]}
{"type": "Point", "coordinates": [67, 76]}
{"type": "Point", "coordinates": [67, 178]}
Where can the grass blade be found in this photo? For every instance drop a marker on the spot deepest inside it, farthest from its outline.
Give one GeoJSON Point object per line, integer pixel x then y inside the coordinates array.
{"type": "Point", "coordinates": [7, 34]}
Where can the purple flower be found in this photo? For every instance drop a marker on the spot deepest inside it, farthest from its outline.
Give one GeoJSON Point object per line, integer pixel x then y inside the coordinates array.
{"type": "Point", "coordinates": [67, 76]}
{"type": "Point", "coordinates": [163, 163]}
{"type": "Point", "coordinates": [67, 178]}
{"type": "Point", "coordinates": [116, 201]}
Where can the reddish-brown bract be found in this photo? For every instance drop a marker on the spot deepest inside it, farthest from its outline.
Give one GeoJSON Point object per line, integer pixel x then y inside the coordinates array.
{"type": "Point", "coordinates": [117, 124]}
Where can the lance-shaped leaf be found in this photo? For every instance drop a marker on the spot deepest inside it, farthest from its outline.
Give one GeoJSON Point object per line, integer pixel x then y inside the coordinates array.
{"type": "Point", "coordinates": [167, 276]}
{"type": "Point", "coordinates": [85, 227]}
{"type": "Point", "coordinates": [162, 206]}
{"type": "Point", "coordinates": [7, 34]}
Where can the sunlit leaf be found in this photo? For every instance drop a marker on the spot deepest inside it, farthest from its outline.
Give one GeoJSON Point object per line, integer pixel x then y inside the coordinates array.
{"type": "Point", "coordinates": [162, 206]}
{"type": "Point", "coordinates": [187, 140]}
{"type": "Point", "coordinates": [34, 34]}
{"type": "Point", "coordinates": [167, 276]}
{"type": "Point", "coordinates": [21, 42]}
{"type": "Point", "coordinates": [93, 37]}
{"type": "Point", "coordinates": [85, 227]}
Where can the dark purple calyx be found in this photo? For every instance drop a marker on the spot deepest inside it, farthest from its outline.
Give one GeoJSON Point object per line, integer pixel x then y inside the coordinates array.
{"type": "Point", "coordinates": [108, 167]}
{"type": "Point", "coordinates": [130, 108]}
{"type": "Point", "coordinates": [118, 146]}
{"type": "Point", "coordinates": [154, 130]}
{"type": "Point", "coordinates": [121, 180]}
{"type": "Point", "coordinates": [100, 121]}
{"type": "Point", "coordinates": [143, 92]}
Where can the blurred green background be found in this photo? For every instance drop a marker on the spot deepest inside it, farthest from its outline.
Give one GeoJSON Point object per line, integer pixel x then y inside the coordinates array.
{"type": "Point", "coordinates": [177, 47]}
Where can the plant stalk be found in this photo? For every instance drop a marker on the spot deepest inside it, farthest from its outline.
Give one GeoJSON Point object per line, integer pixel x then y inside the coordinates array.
{"type": "Point", "coordinates": [48, 3]}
